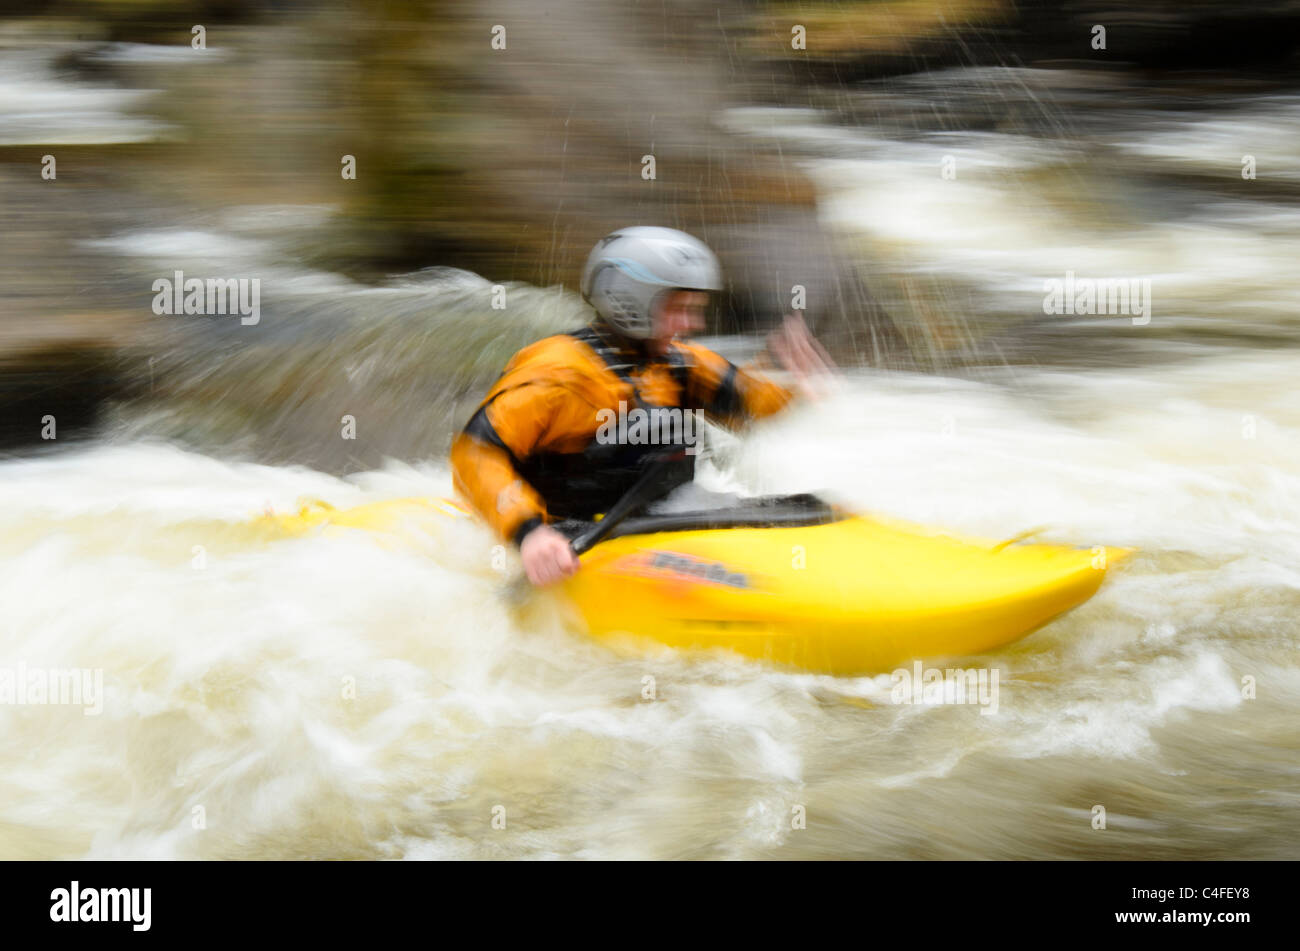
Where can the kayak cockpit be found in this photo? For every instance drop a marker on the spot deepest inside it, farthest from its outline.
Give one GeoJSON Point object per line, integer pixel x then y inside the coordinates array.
{"type": "Point", "coordinates": [776, 511]}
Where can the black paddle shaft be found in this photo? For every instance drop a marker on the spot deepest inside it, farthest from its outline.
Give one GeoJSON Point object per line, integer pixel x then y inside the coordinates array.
{"type": "Point", "coordinates": [643, 490]}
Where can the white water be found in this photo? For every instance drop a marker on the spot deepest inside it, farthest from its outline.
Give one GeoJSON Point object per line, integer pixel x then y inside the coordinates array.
{"type": "Point", "coordinates": [227, 686]}
{"type": "Point", "coordinates": [224, 684]}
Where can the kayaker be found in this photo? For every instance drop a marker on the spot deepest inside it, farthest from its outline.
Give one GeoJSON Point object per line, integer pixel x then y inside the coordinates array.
{"type": "Point", "coordinates": [535, 450]}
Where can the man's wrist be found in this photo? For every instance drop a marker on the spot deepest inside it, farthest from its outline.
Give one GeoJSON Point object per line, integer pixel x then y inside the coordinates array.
{"type": "Point", "coordinates": [525, 527]}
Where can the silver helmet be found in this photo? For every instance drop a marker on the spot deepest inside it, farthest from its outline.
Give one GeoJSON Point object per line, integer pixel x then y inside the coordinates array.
{"type": "Point", "coordinates": [628, 270]}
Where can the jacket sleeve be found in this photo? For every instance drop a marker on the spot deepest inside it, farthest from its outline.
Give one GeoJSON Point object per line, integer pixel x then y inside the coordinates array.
{"type": "Point", "coordinates": [485, 459]}
{"type": "Point", "coordinates": [727, 393]}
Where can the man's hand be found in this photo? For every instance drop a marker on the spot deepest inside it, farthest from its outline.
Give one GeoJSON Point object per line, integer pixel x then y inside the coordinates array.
{"type": "Point", "coordinates": [798, 351]}
{"type": "Point", "coordinates": [547, 556]}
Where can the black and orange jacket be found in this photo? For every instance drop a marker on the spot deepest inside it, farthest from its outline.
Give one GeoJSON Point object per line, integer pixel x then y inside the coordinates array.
{"type": "Point", "coordinates": [530, 454]}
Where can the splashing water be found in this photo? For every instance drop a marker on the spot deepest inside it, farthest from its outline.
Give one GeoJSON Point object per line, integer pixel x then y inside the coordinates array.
{"type": "Point", "coordinates": [330, 696]}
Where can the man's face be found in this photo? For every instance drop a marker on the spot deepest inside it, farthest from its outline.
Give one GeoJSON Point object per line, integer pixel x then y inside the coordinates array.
{"type": "Point", "coordinates": [679, 314]}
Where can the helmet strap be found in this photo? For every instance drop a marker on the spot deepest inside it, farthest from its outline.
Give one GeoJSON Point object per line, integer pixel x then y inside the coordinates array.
{"type": "Point", "coordinates": [636, 348]}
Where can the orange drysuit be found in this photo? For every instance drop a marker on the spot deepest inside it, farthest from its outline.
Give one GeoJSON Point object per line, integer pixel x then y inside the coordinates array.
{"type": "Point", "coordinates": [531, 453]}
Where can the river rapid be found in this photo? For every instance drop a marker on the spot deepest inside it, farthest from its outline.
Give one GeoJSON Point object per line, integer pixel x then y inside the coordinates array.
{"type": "Point", "coordinates": [333, 697]}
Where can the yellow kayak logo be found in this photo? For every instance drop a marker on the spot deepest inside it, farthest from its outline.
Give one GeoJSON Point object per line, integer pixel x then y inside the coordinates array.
{"type": "Point", "coordinates": [669, 565]}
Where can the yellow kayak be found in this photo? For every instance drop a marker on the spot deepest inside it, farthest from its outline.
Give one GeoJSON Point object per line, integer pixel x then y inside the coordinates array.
{"type": "Point", "coordinates": [794, 582]}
